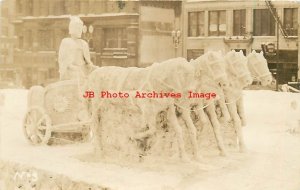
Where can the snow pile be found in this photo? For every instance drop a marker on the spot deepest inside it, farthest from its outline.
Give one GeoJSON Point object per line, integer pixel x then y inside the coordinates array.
{"type": "Point", "coordinates": [272, 161]}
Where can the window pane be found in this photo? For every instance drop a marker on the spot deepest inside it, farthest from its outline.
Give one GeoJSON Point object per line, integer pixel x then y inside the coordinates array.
{"type": "Point", "coordinates": [257, 22]}
{"type": "Point", "coordinates": [288, 14]}
{"type": "Point", "coordinates": [291, 21]}
{"type": "Point", "coordinates": [265, 30]}
{"type": "Point", "coordinates": [115, 38]}
{"type": "Point", "coordinates": [236, 22]}
{"type": "Point", "coordinates": [213, 23]}
{"type": "Point", "coordinates": [201, 23]}
{"type": "Point", "coordinates": [123, 38]}
{"type": "Point", "coordinates": [196, 24]}
{"type": "Point", "coordinates": [222, 23]}
{"type": "Point", "coordinates": [45, 39]}
{"type": "Point", "coordinates": [264, 23]}
{"type": "Point", "coordinates": [295, 22]}
{"type": "Point", "coordinates": [217, 23]}
{"type": "Point", "coordinates": [29, 39]}
{"type": "Point", "coordinates": [272, 25]}
{"type": "Point", "coordinates": [239, 22]}
{"type": "Point", "coordinates": [193, 24]}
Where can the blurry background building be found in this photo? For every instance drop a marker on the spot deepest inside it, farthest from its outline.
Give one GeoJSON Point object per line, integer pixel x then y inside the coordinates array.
{"type": "Point", "coordinates": [245, 25]}
{"type": "Point", "coordinates": [8, 71]}
{"type": "Point", "coordinates": [121, 33]}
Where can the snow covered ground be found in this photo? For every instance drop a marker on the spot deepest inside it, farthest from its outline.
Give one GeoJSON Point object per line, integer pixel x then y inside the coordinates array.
{"type": "Point", "coordinates": [271, 163]}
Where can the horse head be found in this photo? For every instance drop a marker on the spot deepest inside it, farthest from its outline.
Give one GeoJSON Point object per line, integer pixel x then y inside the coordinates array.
{"type": "Point", "coordinates": [237, 67]}
{"type": "Point", "coordinates": [258, 67]}
{"type": "Point", "coordinates": [212, 64]}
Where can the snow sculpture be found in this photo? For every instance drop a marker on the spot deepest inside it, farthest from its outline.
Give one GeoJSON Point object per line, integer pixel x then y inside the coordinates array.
{"type": "Point", "coordinates": [174, 75]}
{"type": "Point", "coordinates": [258, 67]}
{"type": "Point", "coordinates": [239, 78]}
{"type": "Point", "coordinates": [74, 56]}
{"type": "Point", "coordinates": [209, 81]}
{"type": "Point", "coordinates": [155, 77]}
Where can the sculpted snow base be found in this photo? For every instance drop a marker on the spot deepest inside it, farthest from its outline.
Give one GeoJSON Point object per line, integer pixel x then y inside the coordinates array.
{"type": "Point", "coordinates": [137, 128]}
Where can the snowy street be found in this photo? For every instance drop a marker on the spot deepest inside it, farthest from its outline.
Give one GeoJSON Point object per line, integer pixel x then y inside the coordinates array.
{"type": "Point", "coordinates": [271, 163]}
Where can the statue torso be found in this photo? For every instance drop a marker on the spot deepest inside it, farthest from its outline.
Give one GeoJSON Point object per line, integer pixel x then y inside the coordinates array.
{"type": "Point", "coordinates": [76, 51]}
{"type": "Point", "coordinates": [72, 55]}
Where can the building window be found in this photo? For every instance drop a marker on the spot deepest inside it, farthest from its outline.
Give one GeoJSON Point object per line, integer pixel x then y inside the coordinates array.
{"type": "Point", "coordinates": [28, 38]}
{"type": "Point", "coordinates": [46, 39]}
{"type": "Point", "coordinates": [44, 7]}
{"type": "Point", "coordinates": [115, 38]}
{"type": "Point", "coordinates": [196, 24]}
{"type": "Point", "coordinates": [19, 6]}
{"type": "Point", "coordinates": [4, 29]}
{"type": "Point", "coordinates": [239, 22]}
{"type": "Point", "coordinates": [21, 42]}
{"type": "Point", "coordinates": [194, 53]}
{"type": "Point", "coordinates": [76, 7]}
{"type": "Point", "coordinates": [59, 7]}
{"type": "Point", "coordinates": [217, 23]}
{"type": "Point", "coordinates": [264, 23]}
{"type": "Point", "coordinates": [29, 7]}
{"type": "Point", "coordinates": [291, 21]}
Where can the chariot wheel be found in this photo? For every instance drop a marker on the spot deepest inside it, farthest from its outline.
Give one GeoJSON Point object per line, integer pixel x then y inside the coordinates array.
{"type": "Point", "coordinates": [37, 126]}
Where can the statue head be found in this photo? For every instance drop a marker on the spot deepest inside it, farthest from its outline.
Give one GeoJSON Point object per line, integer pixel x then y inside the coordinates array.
{"type": "Point", "coordinates": [75, 27]}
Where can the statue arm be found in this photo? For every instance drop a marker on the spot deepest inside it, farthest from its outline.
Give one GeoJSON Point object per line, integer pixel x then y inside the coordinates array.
{"type": "Point", "coordinates": [86, 53]}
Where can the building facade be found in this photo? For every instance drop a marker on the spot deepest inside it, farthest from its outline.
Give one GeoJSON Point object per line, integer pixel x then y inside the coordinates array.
{"type": "Point", "coordinates": [8, 73]}
{"type": "Point", "coordinates": [120, 33]}
{"type": "Point", "coordinates": [245, 25]}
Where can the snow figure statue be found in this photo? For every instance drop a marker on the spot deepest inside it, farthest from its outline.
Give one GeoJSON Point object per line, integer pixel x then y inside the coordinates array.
{"type": "Point", "coordinates": [239, 78]}
{"type": "Point", "coordinates": [60, 104]}
{"type": "Point", "coordinates": [74, 56]}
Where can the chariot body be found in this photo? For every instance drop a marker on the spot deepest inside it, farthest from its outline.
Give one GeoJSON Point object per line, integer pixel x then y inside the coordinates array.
{"type": "Point", "coordinates": [57, 111]}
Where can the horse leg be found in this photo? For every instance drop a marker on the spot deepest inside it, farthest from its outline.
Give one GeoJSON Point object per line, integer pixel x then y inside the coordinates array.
{"type": "Point", "coordinates": [96, 129]}
{"type": "Point", "coordinates": [192, 132]}
{"type": "Point", "coordinates": [172, 120]}
{"type": "Point", "coordinates": [241, 110]}
{"type": "Point", "coordinates": [237, 125]}
{"type": "Point", "coordinates": [148, 119]}
{"type": "Point", "coordinates": [216, 128]}
{"type": "Point", "coordinates": [200, 111]}
{"type": "Point", "coordinates": [224, 109]}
